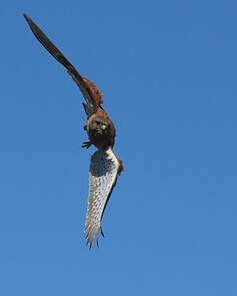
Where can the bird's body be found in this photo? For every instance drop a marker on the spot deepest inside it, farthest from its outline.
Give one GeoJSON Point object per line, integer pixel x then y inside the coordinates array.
{"type": "Point", "coordinates": [105, 165]}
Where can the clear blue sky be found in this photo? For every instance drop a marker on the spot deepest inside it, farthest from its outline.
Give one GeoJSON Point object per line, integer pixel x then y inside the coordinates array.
{"type": "Point", "coordinates": [168, 71]}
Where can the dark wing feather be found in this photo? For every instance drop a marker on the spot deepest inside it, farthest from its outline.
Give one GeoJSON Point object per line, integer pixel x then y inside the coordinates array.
{"type": "Point", "coordinates": [104, 170]}
{"type": "Point", "coordinates": [91, 94]}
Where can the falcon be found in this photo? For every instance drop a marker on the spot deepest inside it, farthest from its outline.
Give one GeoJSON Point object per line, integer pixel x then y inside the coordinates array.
{"type": "Point", "coordinates": [105, 166]}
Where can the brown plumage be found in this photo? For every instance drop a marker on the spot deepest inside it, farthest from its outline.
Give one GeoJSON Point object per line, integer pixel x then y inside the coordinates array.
{"type": "Point", "coordinates": [97, 95]}
{"type": "Point", "coordinates": [105, 165]}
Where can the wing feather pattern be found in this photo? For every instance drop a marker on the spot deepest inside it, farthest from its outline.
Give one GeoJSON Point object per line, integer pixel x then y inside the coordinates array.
{"type": "Point", "coordinates": [103, 173]}
{"type": "Point", "coordinates": [91, 94]}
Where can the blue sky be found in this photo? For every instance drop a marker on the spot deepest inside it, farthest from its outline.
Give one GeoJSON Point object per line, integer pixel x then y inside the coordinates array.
{"type": "Point", "coordinates": [168, 73]}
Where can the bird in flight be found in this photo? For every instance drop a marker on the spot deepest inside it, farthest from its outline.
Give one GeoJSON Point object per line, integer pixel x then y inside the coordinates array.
{"type": "Point", "coordinates": [105, 166]}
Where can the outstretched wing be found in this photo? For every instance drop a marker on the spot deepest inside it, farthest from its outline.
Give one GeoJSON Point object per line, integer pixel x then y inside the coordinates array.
{"type": "Point", "coordinates": [91, 94]}
{"type": "Point", "coordinates": [104, 170]}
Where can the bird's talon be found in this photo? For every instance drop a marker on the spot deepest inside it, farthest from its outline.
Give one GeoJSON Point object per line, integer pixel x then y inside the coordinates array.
{"type": "Point", "coordinates": [86, 145]}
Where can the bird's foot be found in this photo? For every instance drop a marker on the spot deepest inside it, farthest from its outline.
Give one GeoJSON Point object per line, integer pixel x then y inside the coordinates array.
{"type": "Point", "coordinates": [86, 144]}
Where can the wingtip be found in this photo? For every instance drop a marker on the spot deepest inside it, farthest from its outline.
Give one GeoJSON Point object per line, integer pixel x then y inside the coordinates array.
{"type": "Point", "coordinates": [28, 19]}
{"type": "Point", "coordinates": [89, 243]}
{"type": "Point", "coordinates": [26, 16]}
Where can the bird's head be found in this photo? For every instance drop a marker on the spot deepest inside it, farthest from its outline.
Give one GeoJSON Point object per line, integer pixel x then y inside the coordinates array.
{"type": "Point", "coordinates": [100, 126]}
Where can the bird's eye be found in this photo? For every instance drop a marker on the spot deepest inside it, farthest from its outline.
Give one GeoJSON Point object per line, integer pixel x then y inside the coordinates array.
{"type": "Point", "coordinates": [103, 126]}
